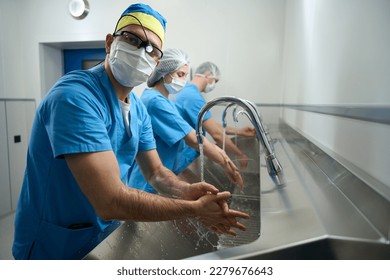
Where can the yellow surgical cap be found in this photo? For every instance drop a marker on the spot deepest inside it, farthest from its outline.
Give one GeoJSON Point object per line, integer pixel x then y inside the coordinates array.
{"type": "Point", "coordinates": [149, 18]}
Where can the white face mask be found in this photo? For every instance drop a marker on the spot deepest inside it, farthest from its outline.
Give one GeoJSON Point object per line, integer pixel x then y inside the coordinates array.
{"type": "Point", "coordinates": [175, 86]}
{"type": "Point", "coordinates": [130, 66]}
{"type": "Point", "coordinates": [209, 87]}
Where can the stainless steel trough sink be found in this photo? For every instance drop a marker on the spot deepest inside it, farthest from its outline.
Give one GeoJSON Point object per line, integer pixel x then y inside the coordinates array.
{"type": "Point", "coordinates": [307, 218]}
{"type": "Point", "coordinates": [187, 238]}
{"type": "Point", "coordinates": [175, 239]}
{"type": "Point", "coordinates": [329, 248]}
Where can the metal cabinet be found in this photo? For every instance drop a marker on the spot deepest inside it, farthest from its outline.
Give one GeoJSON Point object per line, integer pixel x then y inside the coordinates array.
{"type": "Point", "coordinates": [15, 127]}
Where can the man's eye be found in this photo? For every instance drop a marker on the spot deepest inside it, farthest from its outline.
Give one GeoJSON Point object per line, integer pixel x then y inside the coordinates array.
{"type": "Point", "coordinates": [132, 40]}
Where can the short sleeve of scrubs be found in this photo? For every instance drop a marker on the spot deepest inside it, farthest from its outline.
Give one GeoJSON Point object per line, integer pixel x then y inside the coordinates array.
{"type": "Point", "coordinates": [189, 102]}
{"type": "Point", "coordinates": [75, 122]}
{"type": "Point", "coordinates": [166, 121]}
{"type": "Point", "coordinates": [197, 102]}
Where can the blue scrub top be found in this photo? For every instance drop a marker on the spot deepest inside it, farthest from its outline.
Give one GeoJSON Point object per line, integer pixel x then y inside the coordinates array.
{"type": "Point", "coordinates": [81, 113]}
{"type": "Point", "coordinates": [188, 102]}
{"type": "Point", "coordinates": [169, 130]}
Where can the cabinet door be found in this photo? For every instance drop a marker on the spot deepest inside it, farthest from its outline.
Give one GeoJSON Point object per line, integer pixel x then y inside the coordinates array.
{"type": "Point", "coordinates": [5, 189]}
{"type": "Point", "coordinates": [20, 115]}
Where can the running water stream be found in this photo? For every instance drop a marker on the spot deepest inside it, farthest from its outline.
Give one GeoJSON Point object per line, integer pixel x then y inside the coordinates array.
{"type": "Point", "coordinates": [224, 138]}
{"type": "Point", "coordinates": [201, 161]}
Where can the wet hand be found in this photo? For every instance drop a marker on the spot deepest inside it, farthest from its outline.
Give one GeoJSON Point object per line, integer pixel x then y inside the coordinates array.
{"type": "Point", "coordinates": [231, 169]}
{"type": "Point", "coordinates": [233, 173]}
{"type": "Point", "coordinates": [233, 214]}
{"type": "Point", "coordinates": [214, 213]}
{"type": "Point", "coordinates": [196, 190]}
{"type": "Point", "coordinates": [243, 160]}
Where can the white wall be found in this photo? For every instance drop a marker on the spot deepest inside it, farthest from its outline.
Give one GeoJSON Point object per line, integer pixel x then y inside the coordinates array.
{"type": "Point", "coordinates": [244, 38]}
{"type": "Point", "coordinates": [11, 54]}
{"type": "Point", "coordinates": [336, 52]}
{"type": "Point", "coordinates": [332, 52]}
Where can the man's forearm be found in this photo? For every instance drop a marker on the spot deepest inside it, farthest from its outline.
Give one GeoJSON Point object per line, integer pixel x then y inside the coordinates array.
{"type": "Point", "coordinates": [167, 183]}
{"type": "Point", "coordinates": [232, 148]}
{"type": "Point", "coordinates": [230, 130]}
{"type": "Point", "coordinates": [135, 205]}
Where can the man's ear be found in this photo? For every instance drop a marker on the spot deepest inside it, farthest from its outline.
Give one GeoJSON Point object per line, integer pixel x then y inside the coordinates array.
{"type": "Point", "coordinates": [109, 40]}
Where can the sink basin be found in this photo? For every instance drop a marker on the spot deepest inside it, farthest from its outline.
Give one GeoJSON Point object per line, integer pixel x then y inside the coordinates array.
{"type": "Point", "coordinates": [307, 218]}
{"type": "Point", "coordinates": [329, 249]}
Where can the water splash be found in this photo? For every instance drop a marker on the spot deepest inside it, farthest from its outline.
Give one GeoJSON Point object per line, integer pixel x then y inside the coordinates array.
{"type": "Point", "coordinates": [202, 232]}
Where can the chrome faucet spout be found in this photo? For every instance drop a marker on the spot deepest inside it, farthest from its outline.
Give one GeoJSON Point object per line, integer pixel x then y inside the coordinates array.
{"type": "Point", "coordinates": [274, 167]}
{"type": "Point", "coordinates": [264, 128]}
{"type": "Point", "coordinates": [224, 123]}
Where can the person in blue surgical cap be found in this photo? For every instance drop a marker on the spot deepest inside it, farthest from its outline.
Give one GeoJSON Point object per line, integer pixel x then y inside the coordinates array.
{"type": "Point", "coordinates": [190, 100]}
{"type": "Point", "coordinates": [87, 134]}
{"type": "Point", "coordinates": [176, 140]}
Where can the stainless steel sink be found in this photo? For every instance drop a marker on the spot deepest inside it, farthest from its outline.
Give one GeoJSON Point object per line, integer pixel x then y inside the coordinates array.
{"type": "Point", "coordinates": [329, 249]}
{"type": "Point", "coordinates": [175, 239]}
{"type": "Point", "coordinates": [307, 218]}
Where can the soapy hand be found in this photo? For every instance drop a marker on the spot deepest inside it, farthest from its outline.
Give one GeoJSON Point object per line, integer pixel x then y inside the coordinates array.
{"type": "Point", "coordinates": [215, 214]}
{"type": "Point", "coordinates": [196, 190]}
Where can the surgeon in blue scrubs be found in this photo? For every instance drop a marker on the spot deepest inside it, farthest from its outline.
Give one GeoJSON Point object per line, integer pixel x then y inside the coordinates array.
{"type": "Point", "coordinates": [176, 140]}
{"type": "Point", "coordinates": [191, 99]}
{"type": "Point", "coordinates": [87, 134]}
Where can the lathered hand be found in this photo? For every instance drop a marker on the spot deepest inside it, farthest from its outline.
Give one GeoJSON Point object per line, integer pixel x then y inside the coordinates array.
{"type": "Point", "coordinates": [196, 190]}
{"type": "Point", "coordinates": [215, 214]}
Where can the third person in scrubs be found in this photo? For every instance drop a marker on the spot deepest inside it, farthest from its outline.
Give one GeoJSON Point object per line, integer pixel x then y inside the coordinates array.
{"type": "Point", "coordinates": [190, 100]}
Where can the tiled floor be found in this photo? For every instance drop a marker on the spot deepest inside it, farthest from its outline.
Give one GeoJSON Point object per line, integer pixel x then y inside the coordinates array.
{"type": "Point", "coordinates": [6, 236]}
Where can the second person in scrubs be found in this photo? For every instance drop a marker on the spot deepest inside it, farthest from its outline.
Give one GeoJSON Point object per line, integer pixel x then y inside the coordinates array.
{"type": "Point", "coordinates": [176, 140]}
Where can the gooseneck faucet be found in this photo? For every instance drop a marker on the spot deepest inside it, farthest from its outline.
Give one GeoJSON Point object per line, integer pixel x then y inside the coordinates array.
{"type": "Point", "coordinates": [274, 167]}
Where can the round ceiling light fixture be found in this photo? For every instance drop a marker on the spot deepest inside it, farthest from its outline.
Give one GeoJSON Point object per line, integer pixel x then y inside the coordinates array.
{"type": "Point", "coordinates": [79, 9]}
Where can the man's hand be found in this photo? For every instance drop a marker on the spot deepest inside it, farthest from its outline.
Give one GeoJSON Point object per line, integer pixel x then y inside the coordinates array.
{"type": "Point", "coordinates": [243, 160]}
{"type": "Point", "coordinates": [215, 214]}
{"type": "Point", "coordinates": [231, 169]}
{"type": "Point", "coordinates": [246, 131]}
{"type": "Point", "coordinates": [196, 190]}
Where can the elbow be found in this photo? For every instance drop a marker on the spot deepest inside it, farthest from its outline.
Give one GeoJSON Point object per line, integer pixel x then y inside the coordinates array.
{"type": "Point", "coordinates": [105, 216]}
{"type": "Point", "coordinates": [218, 138]}
{"type": "Point", "coordinates": [192, 142]}
{"type": "Point", "coordinates": [106, 213]}
{"type": "Point", "coordinates": [108, 208]}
